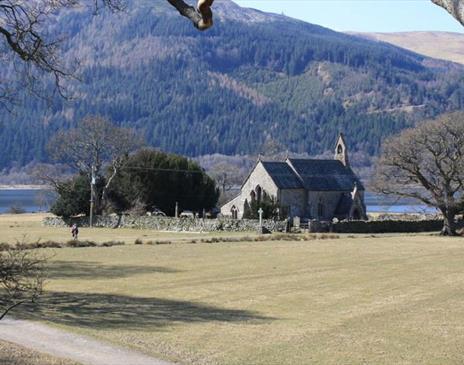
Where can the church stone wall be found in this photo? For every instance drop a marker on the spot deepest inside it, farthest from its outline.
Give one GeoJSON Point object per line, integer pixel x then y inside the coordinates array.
{"type": "Point", "coordinates": [294, 201]}
{"type": "Point", "coordinates": [259, 177]}
{"type": "Point", "coordinates": [329, 201]}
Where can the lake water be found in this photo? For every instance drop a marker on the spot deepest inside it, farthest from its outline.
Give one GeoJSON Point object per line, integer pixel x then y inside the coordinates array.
{"type": "Point", "coordinates": [377, 203]}
{"type": "Point", "coordinates": [27, 200]}
{"type": "Point", "coordinates": [41, 200]}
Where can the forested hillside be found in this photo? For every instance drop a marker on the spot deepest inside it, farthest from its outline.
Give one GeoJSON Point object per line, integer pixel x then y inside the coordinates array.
{"type": "Point", "coordinates": [252, 78]}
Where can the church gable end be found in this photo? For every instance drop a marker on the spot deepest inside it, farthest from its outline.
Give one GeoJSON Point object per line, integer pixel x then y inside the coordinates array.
{"type": "Point", "coordinates": [341, 151]}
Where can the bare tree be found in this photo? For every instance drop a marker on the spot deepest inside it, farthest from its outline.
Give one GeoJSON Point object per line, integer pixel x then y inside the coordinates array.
{"type": "Point", "coordinates": [32, 48]}
{"type": "Point", "coordinates": [91, 147]}
{"type": "Point", "coordinates": [201, 16]}
{"type": "Point", "coordinates": [21, 278]}
{"type": "Point", "coordinates": [454, 7]}
{"type": "Point", "coordinates": [27, 42]}
{"type": "Point", "coordinates": [427, 163]}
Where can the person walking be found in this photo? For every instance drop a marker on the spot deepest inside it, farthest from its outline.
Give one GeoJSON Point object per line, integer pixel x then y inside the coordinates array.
{"type": "Point", "coordinates": [74, 231]}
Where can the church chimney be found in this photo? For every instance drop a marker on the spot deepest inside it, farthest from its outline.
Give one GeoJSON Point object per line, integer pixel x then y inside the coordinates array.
{"type": "Point", "coordinates": [341, 152]}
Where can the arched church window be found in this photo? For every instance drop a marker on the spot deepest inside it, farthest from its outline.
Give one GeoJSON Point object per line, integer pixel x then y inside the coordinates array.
{"type": "Point", "coordinates": [234, 212]}
{"type": "Point", "coordinates": [320, 210]}
{"type": "Point", "coordinates": [259, 193]}
{"type": "Point", "coordinates": [253, 196]}
{"type": "Point", "coordinates": [340, 149]}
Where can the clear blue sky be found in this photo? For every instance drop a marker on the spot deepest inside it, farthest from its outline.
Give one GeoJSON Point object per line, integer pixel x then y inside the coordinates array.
{"type": "Point", "coordinates": [363, 15]}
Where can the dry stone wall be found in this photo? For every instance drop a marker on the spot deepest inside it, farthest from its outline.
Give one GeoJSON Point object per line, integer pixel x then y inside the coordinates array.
{"type": "Point", "coordinates": [169, 224]}
{"type": "Point", "coordinates": [384, 226]}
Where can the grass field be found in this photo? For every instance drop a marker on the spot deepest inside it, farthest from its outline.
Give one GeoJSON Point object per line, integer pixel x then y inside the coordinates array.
{"type": "Point", "coordinates": [28, 227]}
{"type": "Point", "coordinates": [11, 354]}
{"type": "Point", "coordinates": [353, 300]}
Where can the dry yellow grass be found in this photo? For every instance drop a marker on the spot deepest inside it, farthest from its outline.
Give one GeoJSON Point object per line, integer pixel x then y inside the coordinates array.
{"type": "Point", "coordinates": [440, 45]}
{"type": "Point", "coordinates": [28, 227]}
{"type": "Point", "coordinates": [11, 354]}
{"type": "Point", "coordinates": [360, 300]}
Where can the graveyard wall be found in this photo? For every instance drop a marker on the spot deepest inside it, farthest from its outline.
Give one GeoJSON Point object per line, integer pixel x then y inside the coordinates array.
{"type": "Point", "coordinates": [169, 224]}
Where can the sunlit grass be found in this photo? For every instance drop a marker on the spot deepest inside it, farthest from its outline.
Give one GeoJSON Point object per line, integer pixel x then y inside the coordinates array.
{"type": "Point", "coordinates": [395, 299]}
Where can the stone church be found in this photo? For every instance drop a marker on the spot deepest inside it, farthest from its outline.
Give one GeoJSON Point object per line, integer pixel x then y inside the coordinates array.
{"type": "Point", "coordinates": [306, 188]}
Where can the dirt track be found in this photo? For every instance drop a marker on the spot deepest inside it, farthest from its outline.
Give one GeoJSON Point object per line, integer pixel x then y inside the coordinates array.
{"type": "Point", "coordinates": [81, 349]}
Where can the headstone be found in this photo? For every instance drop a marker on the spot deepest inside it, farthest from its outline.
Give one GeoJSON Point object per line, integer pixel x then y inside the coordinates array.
{"type": "Point", "coordinates": [296, 222]}
{"type": "Point", "coordinates": [260, 212]}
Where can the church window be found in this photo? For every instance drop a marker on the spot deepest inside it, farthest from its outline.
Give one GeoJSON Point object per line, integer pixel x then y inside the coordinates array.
{"type": "Point", "coordinates": [320, 210]}
{"type": "Point", "coordinates": [309, 210]}
{"type": "Point", "coordinates": [234, 212]}
{"type": "Point", "coordinates": [259, 193]}
{"type": "Point", "coordinates": [253, 196]}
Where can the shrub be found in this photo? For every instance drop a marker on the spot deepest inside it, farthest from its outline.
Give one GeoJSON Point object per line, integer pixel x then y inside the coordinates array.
{"type": "Point", "coordinates": [73, 197]}
{"type": "Point", "coordinates": [16, 208]}
{"type": "Point", "coordinates": [76, 243]}
{"type": "Point", "coordinates": [53, 244]}
{"type": "Point", "coordinates": [112, 243]}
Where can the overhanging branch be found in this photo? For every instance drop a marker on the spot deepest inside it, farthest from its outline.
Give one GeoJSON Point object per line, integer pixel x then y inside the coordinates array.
{"type": "Point", "coordinates": [454, 7]}
{"type": "Point", "coordinates": [201, 16]}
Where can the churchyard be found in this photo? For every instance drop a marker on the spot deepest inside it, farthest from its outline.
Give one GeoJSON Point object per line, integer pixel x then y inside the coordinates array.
{"type": "Point", "coordinates": [351, 299]}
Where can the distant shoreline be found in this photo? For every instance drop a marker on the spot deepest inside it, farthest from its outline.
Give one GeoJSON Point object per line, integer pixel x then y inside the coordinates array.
{"type": "Point", "coordinates": [24, 187]}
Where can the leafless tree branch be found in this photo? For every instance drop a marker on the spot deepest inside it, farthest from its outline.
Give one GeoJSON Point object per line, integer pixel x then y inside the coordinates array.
{"type": "Point", "coordinates": [21, 278]}
{"type": "Point", "coordinates": [25, 37]}
{"type": "Point", "coordinates": [427, 164]}
{"type": "Point", "coordinates": [201, 16]}
{"type": "Point", "coordinates": [95, 144]}
{"type": "Point", "coordinates": [454, 7]}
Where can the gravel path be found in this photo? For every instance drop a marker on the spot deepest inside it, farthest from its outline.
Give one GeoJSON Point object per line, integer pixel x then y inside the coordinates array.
{"type": "Point", "coordinates": [81, 349]}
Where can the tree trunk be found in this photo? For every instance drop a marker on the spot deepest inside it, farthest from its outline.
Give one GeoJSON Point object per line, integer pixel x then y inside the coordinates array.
{"type": "Point", "coordinates": [449, 224]}
{"type": "Point", "coordinates": [104, 199]}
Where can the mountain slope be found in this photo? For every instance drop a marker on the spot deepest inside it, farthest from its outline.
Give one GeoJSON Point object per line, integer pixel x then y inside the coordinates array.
{"type": "Point", "coordinates": [441, 45]}
{"type": "Point", "coordinates": [252, 79]}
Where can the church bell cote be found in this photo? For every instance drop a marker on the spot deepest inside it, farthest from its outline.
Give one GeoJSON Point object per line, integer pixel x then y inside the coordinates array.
{"type": "Point", "coordinates": [341, 152]}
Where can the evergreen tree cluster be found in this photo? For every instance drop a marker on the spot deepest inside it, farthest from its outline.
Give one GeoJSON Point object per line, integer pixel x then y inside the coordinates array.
{"type": "Point", "coordinates": [148, 180]}
{"type": "Point", "coordinates": [160, 180]}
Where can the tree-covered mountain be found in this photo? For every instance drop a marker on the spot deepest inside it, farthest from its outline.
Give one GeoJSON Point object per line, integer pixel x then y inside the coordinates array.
{"type": "Point", "coordinates": [253, 78]}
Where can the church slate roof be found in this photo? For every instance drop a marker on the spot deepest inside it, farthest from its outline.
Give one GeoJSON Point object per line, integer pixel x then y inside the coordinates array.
{"type": "Point", "coordinates": [325, 175]}
{"type": "Point", "coordinates": [283, 175]}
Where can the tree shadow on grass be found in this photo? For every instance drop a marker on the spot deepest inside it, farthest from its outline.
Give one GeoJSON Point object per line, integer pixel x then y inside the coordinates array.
{"type": "Point", "coordinates": [107, 311]}
{"type": "Point", "coordinates": [96, 270]}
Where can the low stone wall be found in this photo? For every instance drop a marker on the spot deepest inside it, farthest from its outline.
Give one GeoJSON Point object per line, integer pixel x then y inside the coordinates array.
{"type": "Point", "coordinates": [169, 224]}
{"type": "Point", "coordinates": [384, 226]}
